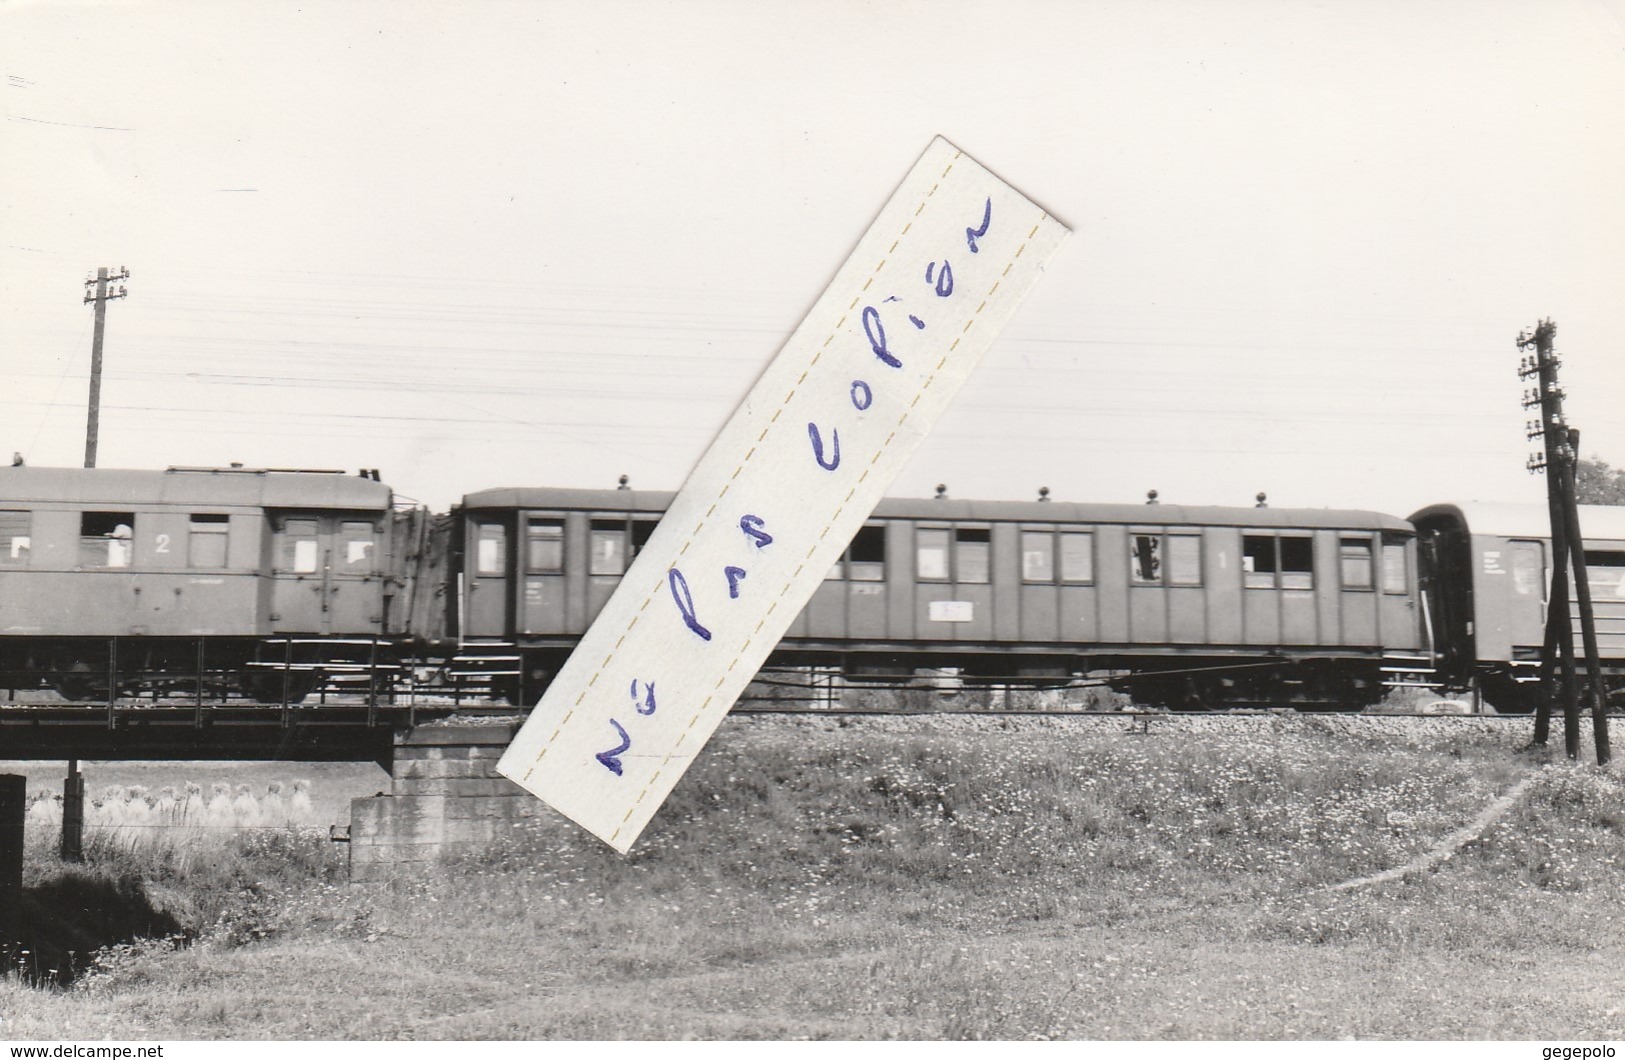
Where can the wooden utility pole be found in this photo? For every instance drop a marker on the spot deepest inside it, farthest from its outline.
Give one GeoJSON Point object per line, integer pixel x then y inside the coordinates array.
{"type": "Point", "coordinates": [1558, 649]}
{"type": "Point", "coordinates": [73, 814]}
{"type": "Point", "coordinates": [1561, 445]}
{"type": "Point", "coordinates": [13, 811]}
{"type": "Point", "coordinates": [1582, 592]}
{"type": "Point", "coordinates": [101, 297]}
{"type": "Point", "coordinates": [73, 788]}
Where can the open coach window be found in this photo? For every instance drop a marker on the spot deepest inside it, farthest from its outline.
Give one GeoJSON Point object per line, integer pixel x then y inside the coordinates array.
{"type": "Point", "coordinates": [867, 556]}
{"type": "Point", "coordinates": [642, 530]}
{"type": "Point", "coordinates": [105, 538]}
{"type": "Point", "coordinates": [1278, 562]}
{"type": "Point", "coordinates": [1297, 562]}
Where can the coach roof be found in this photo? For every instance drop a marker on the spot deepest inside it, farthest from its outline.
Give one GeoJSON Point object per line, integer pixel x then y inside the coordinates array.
{"type": "Point", "coordinates": [1598, 522]}
{"type": "Point", "coordinates": [949, 510]}
{"type": "Point", "coordinates": [199, 487]}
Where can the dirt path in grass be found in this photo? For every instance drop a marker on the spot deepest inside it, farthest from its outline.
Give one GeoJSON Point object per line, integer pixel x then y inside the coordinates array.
{"type": "Point", "coordinates": [1445, 848]}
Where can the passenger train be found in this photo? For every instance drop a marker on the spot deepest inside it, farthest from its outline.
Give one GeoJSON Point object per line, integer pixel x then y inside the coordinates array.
{"type": "Point", "coordinates": [266, 585]}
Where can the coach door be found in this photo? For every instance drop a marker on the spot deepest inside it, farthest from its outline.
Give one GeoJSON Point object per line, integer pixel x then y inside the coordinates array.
{"type": "Point", "coordinates": [354, 575]}
{"type": "Point", "coordinates": [326, 573]}
{"type": "Point", "coordinates": [296, 566]}
{"type": "Point", "coordinates": [1526, 603]}
{"type": "Point", "coordinates": [487, 559]}
{"type": "Point", "coordinates": [545, 599]}
{"type": "Point", "coordinates": [1398, 616]}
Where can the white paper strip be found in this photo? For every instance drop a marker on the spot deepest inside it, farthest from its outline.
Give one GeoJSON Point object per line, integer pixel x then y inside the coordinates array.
{"type": "Point", "coordinates": [781, 492]}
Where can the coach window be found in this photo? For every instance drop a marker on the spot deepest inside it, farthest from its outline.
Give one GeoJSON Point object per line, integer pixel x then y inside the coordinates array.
{"type": "Point", "coordinates": [1527, 577]}
{"type": "Point", "coordinates": [1393, 565]}
{"type": "Point", "coordinates": [931, 554]}
{"type": "Point", "coordinates": [1605, 570]}
{"type": "Point", "coordinates": [104, 538]}
{"type": "Point", "coordinates": [544, 546]}
{"type": "Point", "coordinates": [1077, 557]}
{"type": "Point", "coordinates": [298, 552]}
{"type": "Point", "coordinates": [641, 531]}
{"type": "Point", "coordinates": [1145, 559]}
{"type": "Point", "coordinates": [837, 570]}
{"type": "Point", "coordinates": [867, 557]}
{"type": "Point", "coordinates": [1258, 560]}
{"type": "Point", "coordinates": [206, 541]}
{"type": "Point", "coordinates": [1038, 556]}
{"type": "Point", "coordinates": [608, 546]}
{"type": "Point", "coordinates": [1184, 559]}
{"type": "Point", "coordinates": [973, 548]}
{"type": "Point", "coordinates": [1354, 562]}
{"type": "Point", "coordinates": [1297, 562]}
{"type": "Point", "coordinates": [490, 548]}
{"type": "Point", "coordinates": [16, 538]}
{"type": "Point", "coordinates": [358, 541]}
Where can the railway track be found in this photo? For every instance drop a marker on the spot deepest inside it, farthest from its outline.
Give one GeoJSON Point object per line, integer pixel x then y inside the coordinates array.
{"type": "Point", "coordinates": [1238, 712]}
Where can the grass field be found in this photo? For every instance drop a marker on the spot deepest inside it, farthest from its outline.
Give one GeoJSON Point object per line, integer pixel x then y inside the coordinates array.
{"type": "Point", "coordinates": [937, 878]}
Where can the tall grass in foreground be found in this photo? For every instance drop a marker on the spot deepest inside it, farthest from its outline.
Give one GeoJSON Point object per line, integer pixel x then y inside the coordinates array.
{"type": "Point", "coordinates": [811, 878]}
{"type": "Point", "coordinates": [174, 862]}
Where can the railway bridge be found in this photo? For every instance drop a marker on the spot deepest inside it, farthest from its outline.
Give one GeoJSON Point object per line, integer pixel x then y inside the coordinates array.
{"type": "Point", "coordinates": [445, 796]}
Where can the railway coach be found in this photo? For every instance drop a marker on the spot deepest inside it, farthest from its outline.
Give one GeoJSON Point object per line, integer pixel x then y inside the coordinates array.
{"type": "Point", "coordinates": [1488, 578]}
{"type": "Point", "coordinates": [1180, 605]}
{"type": "Point", "coordinates": [250, 581]}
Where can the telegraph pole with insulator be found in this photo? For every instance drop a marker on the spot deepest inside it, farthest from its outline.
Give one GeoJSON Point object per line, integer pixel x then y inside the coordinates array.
{"type": "Point", "coordinates": [101, 297]}
{"type": "Point", "coordinates": [1559, 456]}
{"type": "Point", "coordinates": [1558, 650]}
{"type": "Point", "coordinates": [73, 788]}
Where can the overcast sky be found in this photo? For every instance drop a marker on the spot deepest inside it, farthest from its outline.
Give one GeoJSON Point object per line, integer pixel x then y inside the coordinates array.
{"type": "Point", "coordinates": [550, 243]}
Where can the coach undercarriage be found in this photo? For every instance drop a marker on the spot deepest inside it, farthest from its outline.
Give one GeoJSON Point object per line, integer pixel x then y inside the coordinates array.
{"type": "Point", "coordinates": [280, 670]}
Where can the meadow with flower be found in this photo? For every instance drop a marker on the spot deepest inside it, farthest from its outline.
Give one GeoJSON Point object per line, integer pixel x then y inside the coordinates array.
{"type": "Point", "coordinates": [931, 877]}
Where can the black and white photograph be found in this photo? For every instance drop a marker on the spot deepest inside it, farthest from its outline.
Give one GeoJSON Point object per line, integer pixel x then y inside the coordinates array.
{"type": "Point", "coordinates": [812, 521]}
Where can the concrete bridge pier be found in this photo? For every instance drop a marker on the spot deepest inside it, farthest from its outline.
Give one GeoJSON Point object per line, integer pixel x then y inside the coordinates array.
{"type": "Point", "coordinates": [445, 799]}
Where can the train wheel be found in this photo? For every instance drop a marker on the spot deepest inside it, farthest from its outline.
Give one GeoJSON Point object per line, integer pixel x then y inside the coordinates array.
{"type": "Point", "coordinates": [268, 687]}
{"type": "Point", "coordinates": [78, 683]}
{"type": "Point", "coordinates": [1508, 696]}
{"type": "Point", "coordinates": [1170, 692]}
